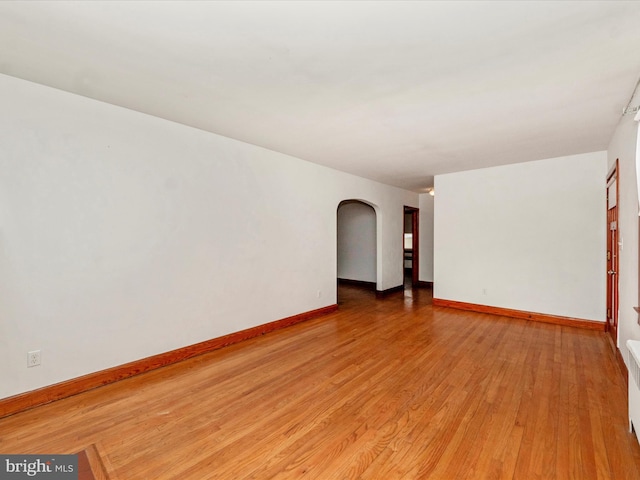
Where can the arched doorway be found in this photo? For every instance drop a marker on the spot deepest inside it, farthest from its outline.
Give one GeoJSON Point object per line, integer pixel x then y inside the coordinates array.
{"type": "Point", "coordinates": [357, 245]}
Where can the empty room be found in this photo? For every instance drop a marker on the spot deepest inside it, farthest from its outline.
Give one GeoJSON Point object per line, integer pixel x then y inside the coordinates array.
{"type": "Point", "coordinates": [325, 240]}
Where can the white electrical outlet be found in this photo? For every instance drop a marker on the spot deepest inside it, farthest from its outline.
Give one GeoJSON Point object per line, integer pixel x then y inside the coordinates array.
{"type": "Point", "coordinates": [33, 358]}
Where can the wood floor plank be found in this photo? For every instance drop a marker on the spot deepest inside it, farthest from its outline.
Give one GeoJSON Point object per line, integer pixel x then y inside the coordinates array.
{"type": "Point", "coordinates": [390, 388]}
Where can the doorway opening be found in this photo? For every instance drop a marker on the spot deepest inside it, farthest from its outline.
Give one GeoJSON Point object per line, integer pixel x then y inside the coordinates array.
{"type": "Point", "coordinates": [357, 245]}
{"type": "Point", "coordinates": [411, 252]}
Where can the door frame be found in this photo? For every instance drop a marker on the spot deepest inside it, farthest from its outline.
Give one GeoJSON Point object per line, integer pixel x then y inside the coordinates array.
{"type": "Point", "coordinates": [415, 244]}
{"type": "Point", "coordinates": [613, 255]}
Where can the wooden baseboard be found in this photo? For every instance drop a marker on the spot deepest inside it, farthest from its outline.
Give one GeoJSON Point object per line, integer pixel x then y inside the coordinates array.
{"type": "Point", "coordinates": [41, 396]}
{"type": "Point", "coordinates": [521, 314]}
{"type": "Point", "coordinates": [423, 284]}
{"type": "Point", "coordinates": [618, 360]}
{"type": "Point", "coordinates": [357, 283]}
{"type": "Point", "coordinates": [389, 291]}
{"type": "Point", "coordinates": [622, 366]}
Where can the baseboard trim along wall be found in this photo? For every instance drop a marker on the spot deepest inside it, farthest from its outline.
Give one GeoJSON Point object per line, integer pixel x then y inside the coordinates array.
{"type": "Point", "coordinates": [44, 395]}
{"type": "Point", "coordinates": [622, 366]}
{"type": "Point", "coordinates": [521, 314]}
{"type": "Point", "coordinates": [357, 283]}
{"type": "Point", "coordinates": [617, 354]}
{"type": "Point", "coordinates": [388, 291]}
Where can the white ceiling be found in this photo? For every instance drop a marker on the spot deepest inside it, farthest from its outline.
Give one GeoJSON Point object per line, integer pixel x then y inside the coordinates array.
{"type": "Point", "coordinates": [392, 91]}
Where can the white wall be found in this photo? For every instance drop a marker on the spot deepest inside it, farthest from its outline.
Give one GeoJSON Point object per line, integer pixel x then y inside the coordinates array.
{"type": "Point", "coordinates": [357, 242]}
{"type": "Point", "coordinates": [623, 147]}
{"type": "Point", "coordinates": [123, 235]}
{"type": "Point", "coordinates": [426, 238]}
{"type": "Point", "coordinates": [527, 236]}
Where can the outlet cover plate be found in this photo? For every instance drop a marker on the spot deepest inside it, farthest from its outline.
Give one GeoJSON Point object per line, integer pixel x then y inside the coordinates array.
{"type": "Point", "coordinates": [33, 358]}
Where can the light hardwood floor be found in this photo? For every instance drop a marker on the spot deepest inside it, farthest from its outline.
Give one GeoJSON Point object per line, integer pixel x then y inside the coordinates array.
{"type": "Point", "coordinates": [389, 389]}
